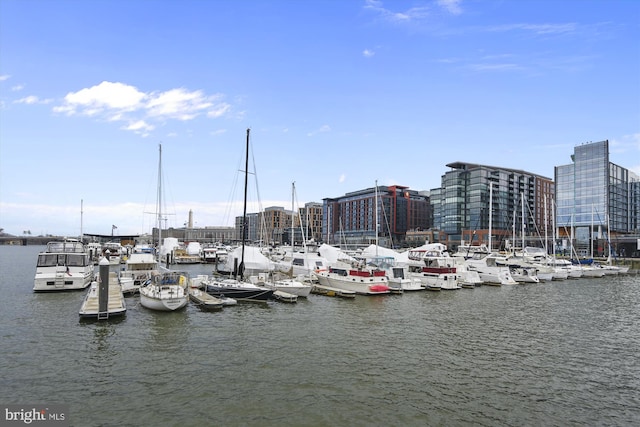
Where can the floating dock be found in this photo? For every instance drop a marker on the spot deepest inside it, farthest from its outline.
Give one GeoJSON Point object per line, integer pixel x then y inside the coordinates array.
{"type": "Point", "coordinates": [104, 299]}
{"type": "Point", "coordinates": [114, 306]}
{"type": "Point", "coordinates": [332, 292]}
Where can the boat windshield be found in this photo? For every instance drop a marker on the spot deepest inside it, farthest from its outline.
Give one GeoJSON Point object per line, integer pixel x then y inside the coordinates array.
{"type": "Point", "coordinates": [53, 260]}
{"type": "Point", "coordinates": [66, 246]}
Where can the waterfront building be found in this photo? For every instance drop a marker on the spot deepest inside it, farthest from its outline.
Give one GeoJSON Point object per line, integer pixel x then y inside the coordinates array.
{"type": "Point", "coordinates": [481, 204]}
{"type": "Point", "coordinates": [273, 222]}
{"type": "Point", "coordinates": [311, 217]}
{"type": "Point", "coordinates": [351, 219]}
{"type": "Point", "coordinates": [251, 229]}
{"type": "Point", "coordinates": [598, 203]}
{"type": "Point", "coordinates": [208, 234]}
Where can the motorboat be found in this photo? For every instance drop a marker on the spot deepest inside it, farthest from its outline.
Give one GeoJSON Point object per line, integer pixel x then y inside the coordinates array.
{"type": "Point", "coordinates": [139, 268]}
{"type": "Point", "coordinates": [63, 265]}
{"type": "Point", "coordinates": [283, 284]}
{"type": "Point", "coordinates": [360, 279]}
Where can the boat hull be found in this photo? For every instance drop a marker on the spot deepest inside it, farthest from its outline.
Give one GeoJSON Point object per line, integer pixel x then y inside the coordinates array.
{"type": "Point", "coordinates": [168, 292]}
{"type": "Point", "coordinates": [62, 282]}
{"type": "Point", "coordinates": [239, 291]}
{"type": "Point", "coordinates": [359, 285]}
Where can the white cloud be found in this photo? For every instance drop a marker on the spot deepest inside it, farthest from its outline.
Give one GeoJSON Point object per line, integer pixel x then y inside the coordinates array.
{"type": "Point", "coordinates": [27, 100]}
{"type": "Point", "coordinates": [139, 125]}
{"type": "Point", "coordinates": [451, 6]}
{"type": "Point", "coordinates": [322, 129]}
{"type": "Point", "coordinates": [495, 67]}
{"type": "Point", "coordinates": [219, 111]}
{"type": "Point", "coordinates": [368, 53]}
{"type": "Point", "coordinates": [115, 101]}
{"type": "Point", "coordinates": [32, 100]}
{"type": "Point", "coordinates": [540, 29]}
{"type": "Point", "coordinates": [342, 178]}
{"type": "Point", "coordinates": [412, 14]}
{"type": "Point", "coordinates": [17, 88]}
{"type": "Point", "coordinates": [178, 104]}
{"type": "Point", "coordinates": [105, 96]}
{"type": "Point", "coordinates": [4, 77]}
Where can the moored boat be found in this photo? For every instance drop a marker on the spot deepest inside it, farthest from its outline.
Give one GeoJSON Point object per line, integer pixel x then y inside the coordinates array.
{"type": "Point", "coordinates": [63, 265]}
{"type": "Point", "coordinates": [361, 280]}
{"type": "Point", "coordinates": [165, 291]}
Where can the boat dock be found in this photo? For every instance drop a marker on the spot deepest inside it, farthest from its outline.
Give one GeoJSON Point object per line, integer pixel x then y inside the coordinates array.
{"type": "Point", "coordinates": [332, 292]}
{"type": "Point", "coordinates": [114, 306]}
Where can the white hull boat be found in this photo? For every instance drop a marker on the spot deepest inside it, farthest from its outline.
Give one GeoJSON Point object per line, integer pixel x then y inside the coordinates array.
{"type": "Point", "coordinates": [360, 281]}
{"type": "Point", "coordinates": [165, 292]}
{"type": "Point", "coordinates": [64, 265]}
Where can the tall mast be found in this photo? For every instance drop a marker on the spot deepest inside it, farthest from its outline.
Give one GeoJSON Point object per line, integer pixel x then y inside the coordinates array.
{"type": "Point", "coordinates": [293, 190]}
{"type": "Point", "coordinates": [376, 217]}
{"type": "Point", "coordinates": [490, 214]}
{"type": "Point", "coordinates": [244, 212]}
{"type": "Point", "coordinates": [81, 215]}
{"type": "Point", "coordinates": [159, 198]}
{"type": "Point", "coordinates": [522, 213]}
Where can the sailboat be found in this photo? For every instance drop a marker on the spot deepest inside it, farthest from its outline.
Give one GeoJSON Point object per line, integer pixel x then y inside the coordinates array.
{"type": "Point", "coordinates": [236, 287]}
{"type": "Point", "coordinates": [166, 290]}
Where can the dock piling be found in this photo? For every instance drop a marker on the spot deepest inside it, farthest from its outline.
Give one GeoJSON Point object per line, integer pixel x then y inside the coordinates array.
{"type": "Point", "coordinates": [103, 289]}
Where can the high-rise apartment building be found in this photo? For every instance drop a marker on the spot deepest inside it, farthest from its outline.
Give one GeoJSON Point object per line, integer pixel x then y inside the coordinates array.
{"type": "Point", "coordinates": [492, 205]}
{"type": "Point", "coordinates": [352, 218]}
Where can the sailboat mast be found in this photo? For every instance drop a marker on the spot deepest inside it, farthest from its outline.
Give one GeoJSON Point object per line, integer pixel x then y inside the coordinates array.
{"type": "Point", "coordinates": [159, 198]}
{"type": "Point", "coordinates": [591, 233]}
{"type": "Point", "coordinates": [376, 216]}
{"type": "Point", "coordinates": [81, 219]}
{"type": "Point", "coordinates": [522, 214]}
{"type": "Point", "coordinates": [546, 227]}
{"type": "Point", "coordinates": [293, 192]}
{"type": "Point", "coordinates": [244, 212]}
{"type": "Point", "coordinates": [490, 214]}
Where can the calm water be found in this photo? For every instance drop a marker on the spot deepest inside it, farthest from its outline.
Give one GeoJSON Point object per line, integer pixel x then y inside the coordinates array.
{"type": "Point", "coordinates": [554, 354]}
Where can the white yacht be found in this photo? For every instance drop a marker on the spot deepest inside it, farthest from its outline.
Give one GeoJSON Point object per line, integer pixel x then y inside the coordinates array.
{"type": "Point", "coordinates": [434, 267]}
{"type": "Point", "coordinates": [139, 268]}
{"type": "Point", "coordinates": [301, 262]}
{"type": "Point", "coordinates": [359, 279]}
{"type": "Point", "coordinates": [481, 260]}
{"type": "Point", "coordinates": [64, 265]}
{"type": "Point", "coordinates": [289, 285]}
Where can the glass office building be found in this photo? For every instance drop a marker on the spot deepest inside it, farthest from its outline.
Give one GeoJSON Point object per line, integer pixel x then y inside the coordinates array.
{"type": "Point", "coordinates": [595, 198]}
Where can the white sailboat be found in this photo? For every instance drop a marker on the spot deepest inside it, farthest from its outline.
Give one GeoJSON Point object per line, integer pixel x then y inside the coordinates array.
{"type": "Point", "coordinates": [167, 290]}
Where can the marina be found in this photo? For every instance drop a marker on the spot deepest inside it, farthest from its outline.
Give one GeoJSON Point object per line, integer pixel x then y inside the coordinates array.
{"type": "Point", "coordinates": [525, 355]}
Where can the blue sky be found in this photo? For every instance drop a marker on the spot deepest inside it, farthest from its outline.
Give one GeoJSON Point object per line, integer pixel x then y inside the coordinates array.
{"type": "Point", "coordinates": [338, 95]}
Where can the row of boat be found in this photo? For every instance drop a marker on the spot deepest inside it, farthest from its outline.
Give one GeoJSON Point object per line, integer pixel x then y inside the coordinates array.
{"type": "Point", "coordinates": [287, 275]}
